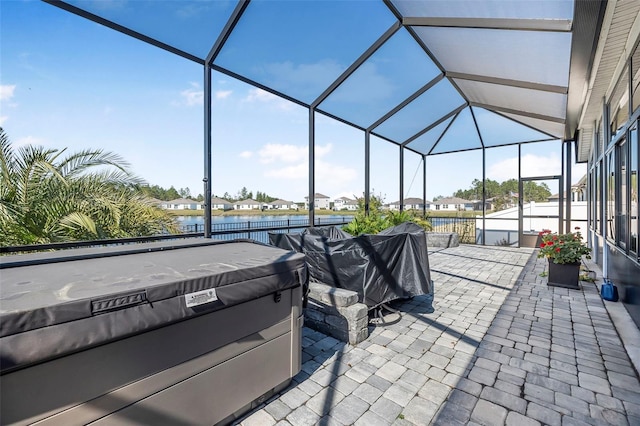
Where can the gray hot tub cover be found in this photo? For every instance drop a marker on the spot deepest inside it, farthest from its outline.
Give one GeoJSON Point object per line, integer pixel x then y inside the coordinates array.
{"type": "Point", "coordinates": [56, 303]}
{"type": "Point", "coordinates": [391, 265]}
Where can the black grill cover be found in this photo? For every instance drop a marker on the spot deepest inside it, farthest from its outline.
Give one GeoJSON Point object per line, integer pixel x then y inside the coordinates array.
{"type": "Point", "coordinates": [391, 265]}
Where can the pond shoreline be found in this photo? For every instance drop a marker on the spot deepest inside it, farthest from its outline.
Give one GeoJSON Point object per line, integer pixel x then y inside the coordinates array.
{"type": "Point", "coordinates": [261, 213]}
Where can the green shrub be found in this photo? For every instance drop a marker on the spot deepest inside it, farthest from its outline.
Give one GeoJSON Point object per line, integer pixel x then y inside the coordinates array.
{"type": "Point", "coordinates": [378, 220]}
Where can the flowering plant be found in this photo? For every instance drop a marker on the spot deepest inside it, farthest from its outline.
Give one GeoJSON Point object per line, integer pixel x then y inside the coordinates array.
{"type": "Point", "coordinates": [563, 248]}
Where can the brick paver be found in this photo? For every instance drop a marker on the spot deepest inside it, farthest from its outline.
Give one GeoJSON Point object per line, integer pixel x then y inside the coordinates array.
{"type": "Point", "coordinates": [500, 347]}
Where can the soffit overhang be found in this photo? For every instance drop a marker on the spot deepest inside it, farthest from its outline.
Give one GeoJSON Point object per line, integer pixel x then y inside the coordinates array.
{"type": "Point", "coordinates": [620, 30]}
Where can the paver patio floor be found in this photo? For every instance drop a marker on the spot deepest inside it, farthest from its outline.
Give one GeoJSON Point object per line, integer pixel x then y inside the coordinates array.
{"type": "Point", "coordinates": [500, 347]}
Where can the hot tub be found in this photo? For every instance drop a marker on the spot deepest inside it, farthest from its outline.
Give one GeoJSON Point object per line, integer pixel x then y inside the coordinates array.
{"type": "Point", "coordinates": [192, 332]}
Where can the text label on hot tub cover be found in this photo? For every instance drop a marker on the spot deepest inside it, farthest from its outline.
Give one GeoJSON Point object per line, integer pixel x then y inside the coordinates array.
{"type": "Point", "coordinates": [200, 297]}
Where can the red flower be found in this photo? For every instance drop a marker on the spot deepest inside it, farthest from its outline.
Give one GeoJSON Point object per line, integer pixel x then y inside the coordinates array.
{"type": "Point", "coordinates": [563, 248]}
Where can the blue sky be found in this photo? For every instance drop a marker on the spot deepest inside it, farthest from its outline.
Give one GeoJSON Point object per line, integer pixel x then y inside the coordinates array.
{"type": "Point", "coordinates": [66, 82]}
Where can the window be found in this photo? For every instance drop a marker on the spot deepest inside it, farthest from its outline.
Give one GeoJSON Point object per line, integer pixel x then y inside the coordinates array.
{"type": "Point", "coordinates": [635, 75]}
{"type": "Point", "coordinates": [611, 195]}
{"type": "Point", "coordinates": [633, 199]}
{"type": "Point", "coordinates": [619, 105]}
{"type": "Point", "coordinates": [592, 193]}
{"type": "Point", "coordinates": [622, 194]}
{"type": "Point", "coordinates": [598, 204]}
{"type": "Point", "coordinates": [598, 140]}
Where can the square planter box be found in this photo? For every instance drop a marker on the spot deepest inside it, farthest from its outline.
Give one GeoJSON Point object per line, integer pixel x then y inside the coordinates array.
{"type": "Point", "coordinates": [564, 275]}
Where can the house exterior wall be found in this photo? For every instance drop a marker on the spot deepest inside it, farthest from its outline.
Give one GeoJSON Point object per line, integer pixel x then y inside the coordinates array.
{"type": "Point", "coordinates": [413, 207]}
{"type": "Point", "coordinates": [345, 204]}
{"type": "Point", "coordinates": [449, 207]}
{"type": "Point", "coordinates": [351, 207]}
{"type": "Point", "coordinates": [319, 203]}
{"type": "Point", "coordinates": [247, 207]}
{"type": "Point", "coordinates": [183, 207]}
{"type": "Point", "coordinates": [612, 185]}
{"type": "Point", "coordinates": [322, 203]}
{"type": "Point", "coordinates": [222, 206]}
{"type": "Point", "coordinates": [282, 206]}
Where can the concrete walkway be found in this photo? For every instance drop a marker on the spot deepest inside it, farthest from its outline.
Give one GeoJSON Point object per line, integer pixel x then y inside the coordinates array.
{"type": "Point", "coordinates": [500, 348]}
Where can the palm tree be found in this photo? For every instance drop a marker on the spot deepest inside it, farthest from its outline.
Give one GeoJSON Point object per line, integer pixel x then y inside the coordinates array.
{"type": "Point", "coordinates": [45, 197]}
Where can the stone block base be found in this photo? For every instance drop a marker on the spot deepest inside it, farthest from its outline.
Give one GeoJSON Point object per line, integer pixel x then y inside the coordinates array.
{"type": "Point", "coordinates": [336, 312]}
{"type": "Point", "coordinates": [443, 239]}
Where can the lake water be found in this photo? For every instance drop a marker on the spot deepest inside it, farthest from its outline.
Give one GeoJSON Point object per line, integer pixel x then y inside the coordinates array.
{"type": "Point", "coordinates": [199, 220]}
{"type": "Point", "coordinates": [255, 227]}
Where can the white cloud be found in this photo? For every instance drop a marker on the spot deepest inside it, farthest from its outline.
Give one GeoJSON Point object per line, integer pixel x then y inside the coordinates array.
{"type": "Point", "coordinates": [28, 140]}
{"type": "Point", "coordinates": [190, 10]}
{"type": "Point", "coordinates": [282, 153]}
{"type": "Point", "coordinates": [7, 91]}
{"type": "Point", "coordinates": [298, 171]}
{"type": "Point", "coordinates": [259, 95]}
{"type": "Point", "coordinates": [322, 150]}
{"type": "Point", "coordinates": [246, 154]}
{"type": "Point", "coordinates": [193, 96]}
{"type": "Point", "coordinates": [332, 174]}
{"type": "Point", "coordinates": [532, 165]}
{"type": "Point", "coordinates": [307, 80]}
{"type": "Point", "coordinates": [327, 173]}
{"type": "Point", "coordinates": [361, 88]}
{"type": "Point", "coordinates": [3, 119]}
{"type": "Point", "coordinates": [577, 172]}
{"type": "Point", "coordinates": [292, 162]}
{"type": "Point", "coordinates": [503, 170]}
{"type": "Point", "coordinates": [223, 94]}
{"type": "Point", "coordinates": [291, 153]}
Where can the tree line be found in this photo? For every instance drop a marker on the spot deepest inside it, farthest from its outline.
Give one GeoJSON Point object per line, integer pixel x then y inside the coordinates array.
{"type": "Point", "coordinates": [156, 191]}
{"type": "Point", "coordinates": [504, 193]}
{"type": "Point", "coordinates": [244, 194]}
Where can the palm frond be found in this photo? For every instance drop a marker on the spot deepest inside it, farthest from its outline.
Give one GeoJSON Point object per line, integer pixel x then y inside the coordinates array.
{"type": "Point", "coordinates": [87, 195]}
{"type": "Point", "coordinates": [79, 162]}
{"type": "Point", "coordinates": [80, 223]}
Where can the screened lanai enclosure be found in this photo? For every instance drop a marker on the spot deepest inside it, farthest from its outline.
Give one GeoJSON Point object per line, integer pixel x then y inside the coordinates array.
{"type": "Point", "coordinates": [428, 90]}
{"type": "Point", "coordinates": [429, 79]}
